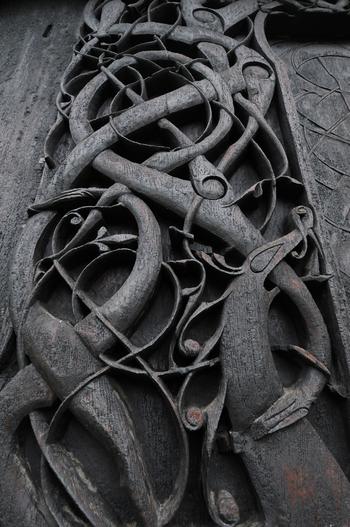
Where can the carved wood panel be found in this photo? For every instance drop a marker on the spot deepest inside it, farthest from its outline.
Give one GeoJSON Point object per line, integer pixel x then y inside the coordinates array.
{"type": "Point", "coordinates": [178, 295]}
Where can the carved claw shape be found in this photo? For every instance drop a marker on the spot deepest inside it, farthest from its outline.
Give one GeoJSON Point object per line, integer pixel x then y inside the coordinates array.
{"type": "Point", "coordinates": [287, 410]}
{"type": "Point", "coordinates": [292, 406]}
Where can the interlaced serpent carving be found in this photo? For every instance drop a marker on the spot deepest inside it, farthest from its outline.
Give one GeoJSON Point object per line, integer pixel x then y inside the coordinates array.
{"type": "Point", "coordinates": [168, 231]}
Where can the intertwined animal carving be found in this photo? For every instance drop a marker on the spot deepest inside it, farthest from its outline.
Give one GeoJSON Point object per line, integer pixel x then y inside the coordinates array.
{"type": "Point", "coordinates": [173, 229]}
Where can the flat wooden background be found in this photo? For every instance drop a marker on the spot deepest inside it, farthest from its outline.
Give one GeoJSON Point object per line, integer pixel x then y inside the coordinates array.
{"type": "Point", "coordinates": [36, 39]}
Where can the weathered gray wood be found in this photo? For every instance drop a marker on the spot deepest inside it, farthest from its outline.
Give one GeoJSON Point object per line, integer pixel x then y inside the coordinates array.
{"type": "Point", "coordinates": [36, 40]}
{"type": "Point", "coordinates": [178, 296]}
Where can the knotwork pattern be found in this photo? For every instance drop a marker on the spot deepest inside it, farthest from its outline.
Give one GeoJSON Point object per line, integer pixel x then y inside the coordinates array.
{"type": "Point", "coordinates": [170, 230]}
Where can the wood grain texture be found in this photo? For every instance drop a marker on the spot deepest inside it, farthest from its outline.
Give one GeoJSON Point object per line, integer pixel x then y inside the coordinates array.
{"type": "Point", "coordinates": [177, 316]}
{"type": "Point", "coordinates": [36, 41]}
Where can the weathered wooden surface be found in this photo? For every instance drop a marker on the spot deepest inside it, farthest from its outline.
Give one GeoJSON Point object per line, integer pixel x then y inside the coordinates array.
{"type": "Point", "coordinates": [36, 43]}
{"type": "Point", "coordinates": [319, 73]}
{"type": "Point", "coordinates": [178, 295]}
